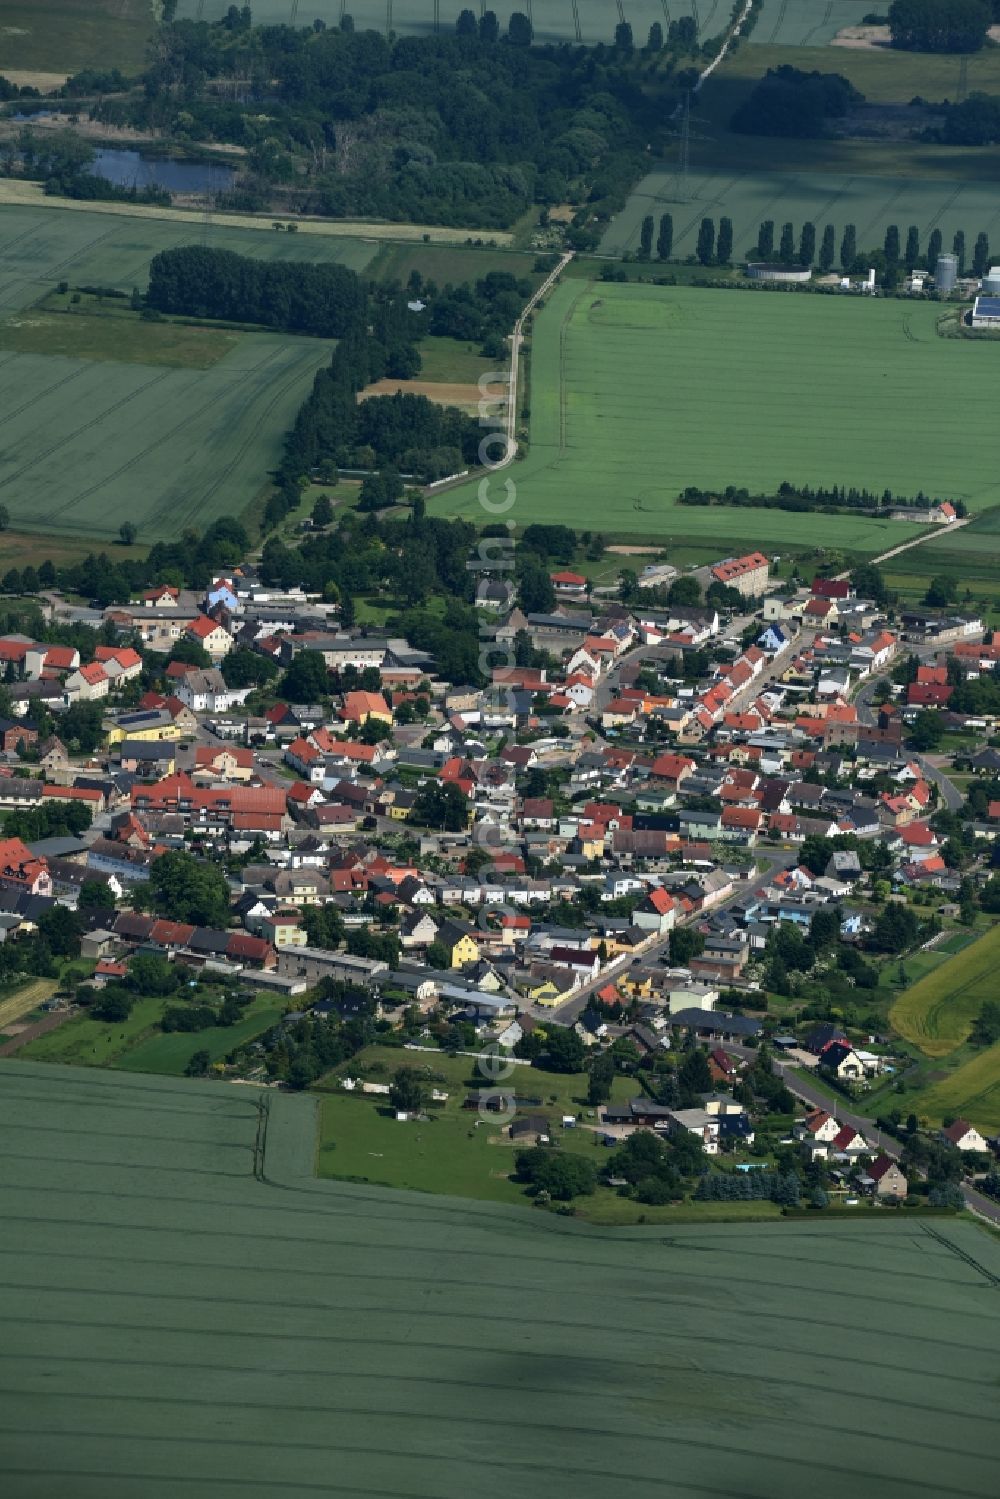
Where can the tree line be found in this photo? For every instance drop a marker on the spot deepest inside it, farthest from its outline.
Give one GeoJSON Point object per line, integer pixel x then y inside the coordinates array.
{"type": "Point", "coordinates": [801, 498]}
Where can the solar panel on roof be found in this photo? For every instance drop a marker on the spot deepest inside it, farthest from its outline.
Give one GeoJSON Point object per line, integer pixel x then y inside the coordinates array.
{"type": "Point", "coordinates": [987, 307]}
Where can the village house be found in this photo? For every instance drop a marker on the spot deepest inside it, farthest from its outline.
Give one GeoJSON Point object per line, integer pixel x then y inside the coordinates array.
{"type": "Point", "coordinates": [961, 1134]}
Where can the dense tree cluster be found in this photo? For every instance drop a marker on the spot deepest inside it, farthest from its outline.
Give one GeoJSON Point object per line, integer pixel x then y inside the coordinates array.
{"type": "Point", "coordinates": [939, 25]}
{"type": "Point", "coordinates": [407, 432]}
{"type": "Point", "coordinates": [468, 127]}
{"type": "Point", "coordinates": [560, 1174]}
{"type": "Point", "coordinates": [782, 1187]}
{"type": "Point", "coordinates": [656, 1168]}
{"type": "Point", "coordinates": [973, 122]}
{"type": "Point", "coordinates": [190, 889]}
{"type": "Point", "coordinates": [299, 1052]}
{"type": "Point", "coordinates": [296, 296]}
{"type": "Point", "coordinates": [790, 102]}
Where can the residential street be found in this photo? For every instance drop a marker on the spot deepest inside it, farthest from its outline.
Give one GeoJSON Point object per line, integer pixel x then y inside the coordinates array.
{"type": "Point", "coordinates": [816, 1098]}
{"type": "Point", "coordinates": [570, 1011]}
{"type": "Point", "coordinates": [949, 793]}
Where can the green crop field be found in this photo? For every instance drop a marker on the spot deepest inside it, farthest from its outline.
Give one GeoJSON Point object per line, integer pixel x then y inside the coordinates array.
{"type": "Point", "coordinates": [89, 442]}
{"type": "Point", "coordinates": [170, 1325]}
{"type": "Point", "coordinates": [63, 36]}
{"type": "Point", "coordinates": [937, 1013]}
{"type": "Point", "coordinates": [91, 436]}
{"type": "Point", "coordinates": [638, 391]}
{"type": "Point", "coordinates": [971, 1092]}
{"type": "Point", "coordinates": [587, 21]}
{"type": "Point", "coordinates": [39, 247]}
{"type": "Point", "coordinates": [804, 23]}
{"type": "Point", "coordinates": [749, 194]}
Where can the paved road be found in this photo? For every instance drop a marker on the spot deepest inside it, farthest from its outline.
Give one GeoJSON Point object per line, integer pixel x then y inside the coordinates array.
{"type": "Point", "coordinates": [985, 1207]}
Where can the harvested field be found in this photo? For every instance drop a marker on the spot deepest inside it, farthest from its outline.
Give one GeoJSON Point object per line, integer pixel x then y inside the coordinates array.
{"type": "Point", "coordinates": [466, 396]}
{"type": "Point", "coordinates": [24, 1000]}
{"type": "Point", "coordinates": [937, 1013]}
{"type": "Point", "coordinates": [638, 392]}
{"type": "Point", "coordinates": [30, 78]}
{"type": "Point", "coordinates": [172, 1325]}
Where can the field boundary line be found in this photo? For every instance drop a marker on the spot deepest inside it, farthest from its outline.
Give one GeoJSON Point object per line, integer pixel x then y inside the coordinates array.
{"type": "Point", "coordinates": [17, 194]}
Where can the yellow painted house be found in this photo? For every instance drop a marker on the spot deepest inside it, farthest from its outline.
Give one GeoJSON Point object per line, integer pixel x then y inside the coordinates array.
{"type": "Point", "coordinates": [460, 943]}
{"type": "Point", "coordinates": [638, 986]}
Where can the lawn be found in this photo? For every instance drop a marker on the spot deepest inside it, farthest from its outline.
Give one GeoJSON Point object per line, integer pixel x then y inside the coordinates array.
{"type": "Point", "coordinates": [455, 1152]}
{"type": "Point", "coordinates": [94, 1043]}
{"type": "Point", "coordinates": [124, 339]}
{"type": "Point", "coordinates": [170, 1054]}
{"type": "Point", "coordinates": [639, 391]}
{"type": "Point", "coordinates": [937, 1013]}
{"type": "Point", "coordinates": [171, 1325]}
{"type": "Point", "coordinates": [971, 1092]}
{"type": "Point", "coordinates": [63, 36]}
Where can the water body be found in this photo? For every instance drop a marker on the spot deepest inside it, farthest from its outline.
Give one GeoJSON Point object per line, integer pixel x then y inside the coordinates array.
{"type": "Point", "coordinates": [126, 168]}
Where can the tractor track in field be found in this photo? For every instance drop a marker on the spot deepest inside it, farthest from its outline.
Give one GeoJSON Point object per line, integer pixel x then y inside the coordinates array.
{"type": "Point", "coordinates": [944, 208]}
{"type": "Point", "coordinates": [778, 23]}
{"type": "Point", "coordinates": [824, 20]}
{"type": "Point", "coordinates": [278, 396]}
{"type": "Point", "coordinates": [42, 395]}
{"type": "Point", "coordinates": [38, 458]}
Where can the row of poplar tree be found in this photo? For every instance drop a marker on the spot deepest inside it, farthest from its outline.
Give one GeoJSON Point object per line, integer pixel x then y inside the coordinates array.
{"type": "Point", "coordinates": [716, 247]}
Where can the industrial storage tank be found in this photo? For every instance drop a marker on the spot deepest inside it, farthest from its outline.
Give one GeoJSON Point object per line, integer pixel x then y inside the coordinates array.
{"type": "Point", "coordinates": [991, 283]}
{"type": "Point", "coordinates": [763, 271]}
{"type": "Point", "coordinates": [946, 273]}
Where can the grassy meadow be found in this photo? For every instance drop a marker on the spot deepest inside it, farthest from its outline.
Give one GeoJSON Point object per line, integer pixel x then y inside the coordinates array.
{"type": "Point", "coordinates": [63, 36]}
{"type": "Point", "coordinates": [360, 1139]}
{"type": "Point", "coordinates": [639, 391]}
{"type": "Point", "coordinates": [171, 1325]}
